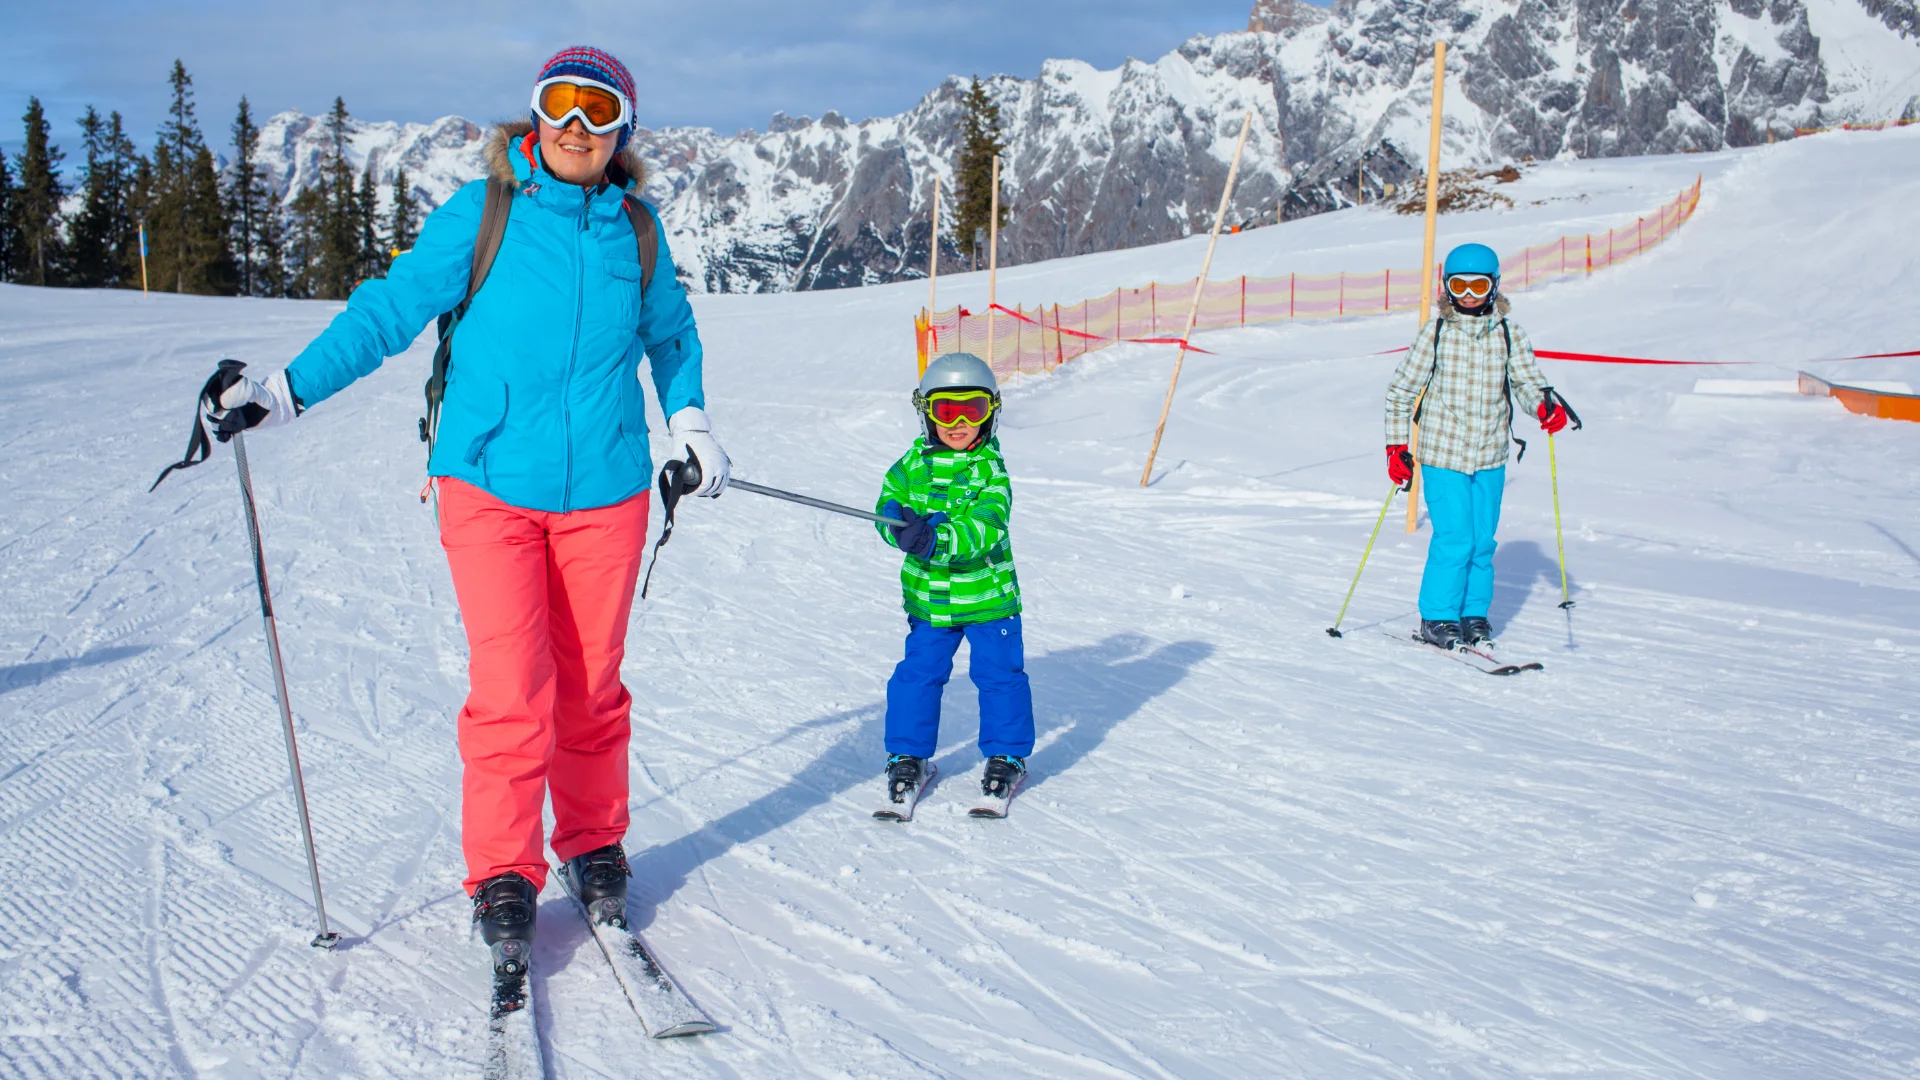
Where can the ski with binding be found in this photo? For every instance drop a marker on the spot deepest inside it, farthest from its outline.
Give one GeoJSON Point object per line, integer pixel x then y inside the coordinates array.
{"type": "Point", "coordinates": [664, 1010]}
{"type": "Point", "coordinates": [1476, 659]}
{"type": "Point", "coordinates": [903, 811]}
{"type": "Point", "coordinates": [513, 1044]}
{"type": "Point", "coordinates": [993, 808]}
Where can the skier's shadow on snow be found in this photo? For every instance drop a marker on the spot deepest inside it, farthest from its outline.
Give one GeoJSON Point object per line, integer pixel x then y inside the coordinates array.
{"type": "Point", "coordinates": [1080, 694]}
{"type": "Point", "coordinates": [1518, 567]}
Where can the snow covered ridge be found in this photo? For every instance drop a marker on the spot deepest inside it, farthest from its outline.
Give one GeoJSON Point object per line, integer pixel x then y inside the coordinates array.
{"type": "Point", "coordinates": [1101, 160]}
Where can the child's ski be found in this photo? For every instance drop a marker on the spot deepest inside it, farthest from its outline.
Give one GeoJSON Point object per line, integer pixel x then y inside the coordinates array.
{"type": "Point", "coordinates": [903, 811]}
{"type": "Point", "coordinates": [991, 806]}
{"type": "Point", "coordinates": [663, 1008]}
{"type": "Point", "coordinates": [1476, 659]}
{"type": "Point", "coordinates": [513, 1046]}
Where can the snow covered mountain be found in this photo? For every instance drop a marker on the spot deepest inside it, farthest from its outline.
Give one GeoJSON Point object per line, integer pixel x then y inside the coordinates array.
{"type": "Point", "coordinates": [1100, 160]}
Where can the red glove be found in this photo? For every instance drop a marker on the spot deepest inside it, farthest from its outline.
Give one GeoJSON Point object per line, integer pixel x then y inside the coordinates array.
{"type": "Point", "coordinates": [1553, 416]}
{"type": "Point", "coordinates": [1399, 465]}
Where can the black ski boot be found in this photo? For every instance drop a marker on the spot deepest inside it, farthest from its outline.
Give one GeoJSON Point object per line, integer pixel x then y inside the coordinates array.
{"type": "Point", "coordinates": [1476, 632]}
{"type": "Point", "coordinates": [1440, 632]}
{"type": "Point", "coordinates": [1002, 776]}
{"type": "Point", "coordinates": [503, 908]}
{"type": "Point", "coordinates": [904, 774]}
{"type": "Point", "coordinates": [599, 879]}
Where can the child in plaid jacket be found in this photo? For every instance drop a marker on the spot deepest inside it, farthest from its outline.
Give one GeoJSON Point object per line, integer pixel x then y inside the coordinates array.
{"type": "Point", "coordinates": [1461, 381]}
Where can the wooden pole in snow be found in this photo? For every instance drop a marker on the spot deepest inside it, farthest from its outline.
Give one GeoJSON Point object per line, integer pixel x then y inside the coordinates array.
{"type": "Point", "coordinates": [1199, 287]}
{"type": "Point", "coordinates": [993, 257]}
{"type": "Point", "coordinates": [1427, 278]}
{"type": "Point", "coordinates": [933, 250]}
{"type": "Point", "coordinates": [933, 272]}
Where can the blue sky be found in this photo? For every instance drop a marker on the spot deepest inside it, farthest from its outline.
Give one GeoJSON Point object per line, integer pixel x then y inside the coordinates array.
{"type": "Point", "coordinates": [727, 64]}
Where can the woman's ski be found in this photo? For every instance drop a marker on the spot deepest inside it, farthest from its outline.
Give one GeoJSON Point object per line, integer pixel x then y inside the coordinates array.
{"type": "Point", "coordinates": [513, 1045]}
{"type": "Point", "coordinates": [663, 1008]}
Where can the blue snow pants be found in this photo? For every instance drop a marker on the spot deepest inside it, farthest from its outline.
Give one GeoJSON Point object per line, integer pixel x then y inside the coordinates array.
{"type": "Point", "coordinates": [999, 671]}
{"type": "Point", "coordinates": [1465, 509]}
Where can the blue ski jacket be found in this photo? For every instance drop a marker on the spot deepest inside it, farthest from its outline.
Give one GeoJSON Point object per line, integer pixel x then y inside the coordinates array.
{"type": "Point", "coordinates": [543, 407]}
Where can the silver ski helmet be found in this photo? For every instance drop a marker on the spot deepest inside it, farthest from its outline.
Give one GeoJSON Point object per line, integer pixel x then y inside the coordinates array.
{"type": "Point", "coordinates": [957, 371]}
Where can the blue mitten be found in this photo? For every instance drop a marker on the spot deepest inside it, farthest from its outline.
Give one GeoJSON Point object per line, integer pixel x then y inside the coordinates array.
{"type": "Point", "coordinates": [920, 535]}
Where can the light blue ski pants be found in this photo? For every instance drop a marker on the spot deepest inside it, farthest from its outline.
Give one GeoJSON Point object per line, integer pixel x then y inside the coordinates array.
{"type": "Point", "coordinates": [1465, 510]}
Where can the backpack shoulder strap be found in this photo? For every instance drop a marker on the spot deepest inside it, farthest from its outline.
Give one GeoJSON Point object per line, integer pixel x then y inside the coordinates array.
{"type": "Point", "coordinates": [486, 245]}
{"type": "Point", "coordinates": [493, 225]}
{"type": "Point", "coordinates": [645, 234]}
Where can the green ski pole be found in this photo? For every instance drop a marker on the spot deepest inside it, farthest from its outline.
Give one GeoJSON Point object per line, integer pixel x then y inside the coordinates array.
{"type": "Point", "coordinates": [1334, 630]}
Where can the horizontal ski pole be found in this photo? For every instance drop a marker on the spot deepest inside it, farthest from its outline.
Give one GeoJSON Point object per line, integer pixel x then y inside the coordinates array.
{"type": "Point", "coordinates": [817, 504]}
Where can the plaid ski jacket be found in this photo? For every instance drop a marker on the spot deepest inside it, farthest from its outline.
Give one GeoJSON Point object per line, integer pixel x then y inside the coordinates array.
{"type": "Point", "coordinates": [1466, 417]}
{"type": "Point", "coordinates": [970, 577]}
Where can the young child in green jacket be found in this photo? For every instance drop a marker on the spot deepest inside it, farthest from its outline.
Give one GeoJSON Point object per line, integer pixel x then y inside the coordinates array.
{"type": "Point", "coordinates": [958, 581]}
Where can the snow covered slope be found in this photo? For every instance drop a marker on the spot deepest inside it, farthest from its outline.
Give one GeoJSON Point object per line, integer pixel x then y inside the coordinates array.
{"type": "Point", "coordinates": [1101, 160]}
{"type": "Point", "coordinates": [1685, 849]}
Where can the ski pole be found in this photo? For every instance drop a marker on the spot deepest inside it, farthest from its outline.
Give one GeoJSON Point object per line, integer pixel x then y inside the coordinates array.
{"type": "Point", "coordinates": [1553, 471]}
{"type": "Point", "coordinates": [818, 504]}
{"type": "Point", "coordinates": [327, 938]}
{"type": "Point", "coordinates": [1559, 539]}
{"type": "Point", "coordinates": [229, 428]}
{"type": "Point", "coordinates": [1334, 630]}
{"type": "Point", "coordinates": [677, 478]}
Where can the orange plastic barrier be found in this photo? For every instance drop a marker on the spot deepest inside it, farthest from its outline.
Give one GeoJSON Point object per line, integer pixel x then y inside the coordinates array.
{"type": "Point", "coordinates": [1880, 403]}
{"type": "Point", "coordinates": [1038, 339]}
{"type": "Point", "coordinates": [1881, 126]}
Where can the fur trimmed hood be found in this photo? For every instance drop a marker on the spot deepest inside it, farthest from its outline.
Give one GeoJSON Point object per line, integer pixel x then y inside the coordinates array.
{"type": "Point", "coordinates": [626, 171]}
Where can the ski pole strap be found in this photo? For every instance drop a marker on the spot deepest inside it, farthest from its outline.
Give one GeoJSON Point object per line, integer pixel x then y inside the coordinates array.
{"type": "Point", "coordinates": [1573, 418]}
{"type": "Point", "coordinates": [676, 479]}
{"type": "Point", "coordinates": [226, 425]}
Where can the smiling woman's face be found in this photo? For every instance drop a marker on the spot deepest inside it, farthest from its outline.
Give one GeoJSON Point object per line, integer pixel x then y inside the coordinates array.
{"type": "Point", "coordinates": [575, 154]}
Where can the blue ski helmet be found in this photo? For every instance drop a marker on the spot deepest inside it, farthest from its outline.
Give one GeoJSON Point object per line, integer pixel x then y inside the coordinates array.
{"type": "Point", "coordinates": [1473, 259]}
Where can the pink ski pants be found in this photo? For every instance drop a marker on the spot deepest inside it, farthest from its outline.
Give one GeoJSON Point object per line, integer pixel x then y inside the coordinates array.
{"type": "Point", "coordinates": [545, 599]}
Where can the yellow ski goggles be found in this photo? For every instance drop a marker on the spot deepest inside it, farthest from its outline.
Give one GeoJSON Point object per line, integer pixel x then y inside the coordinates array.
{"type": "Point", "coordinates": [948, 408]}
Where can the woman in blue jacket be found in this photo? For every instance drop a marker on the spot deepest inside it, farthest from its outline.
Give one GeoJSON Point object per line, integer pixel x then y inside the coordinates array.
{"type": "Point", "coordinates": [543, 470]}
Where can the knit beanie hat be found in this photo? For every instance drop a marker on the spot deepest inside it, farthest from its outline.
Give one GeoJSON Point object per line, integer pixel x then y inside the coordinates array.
{"type": "Point", "coordinates": [585, 62]}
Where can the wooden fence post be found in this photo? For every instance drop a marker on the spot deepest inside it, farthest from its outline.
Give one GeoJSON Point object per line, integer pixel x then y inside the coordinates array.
{"type": "Point", "coordinates": [1199, 287]}
{"type": "Point", "coordinates": [1427, 268]}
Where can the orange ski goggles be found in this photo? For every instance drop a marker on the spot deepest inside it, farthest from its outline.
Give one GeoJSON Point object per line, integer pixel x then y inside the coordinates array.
{"type": "Point", "coordinates": [600, 108]}
{"type": "Point", "coordinates": [1465, 285]}
{"type": "Point", "coordinates": [965, 406]}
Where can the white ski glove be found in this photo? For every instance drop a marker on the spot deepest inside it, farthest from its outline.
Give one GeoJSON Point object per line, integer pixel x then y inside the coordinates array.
{"type": "Point", "coordinates": [689, 429]}
{"type": "Point", "coordinates": [271, 400]}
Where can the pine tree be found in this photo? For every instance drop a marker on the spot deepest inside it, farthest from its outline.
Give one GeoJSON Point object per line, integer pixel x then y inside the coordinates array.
{"type": "Point", "coordinates": [211, 267]}
{"type": "Point", "coordinates": [270, 249]}
{"type": "Point", "coordinates": [334, 267]}
{"type": "Point", "coordinates": [36, 203]}
{"type": "Point", "coordinates": [9, 246]}
{"type": "Point", "coordinates": [244, 203]}
{"type": "Point", "coordinates": [99, 238]}
{"type": "Point", "coordinates": [980, 143]}
{"type": "Point", "coordinates": [368, 205]}
{"type": "Point", "coordinates": [403, 226]}
{"type": "Point", "coordinates": [186, 220]}
{"type": "Point", "coordinates": [306, 241]}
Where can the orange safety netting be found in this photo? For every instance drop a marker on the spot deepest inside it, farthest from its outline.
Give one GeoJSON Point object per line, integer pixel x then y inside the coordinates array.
{"type": "Point", "coordinates": [1038, 339]}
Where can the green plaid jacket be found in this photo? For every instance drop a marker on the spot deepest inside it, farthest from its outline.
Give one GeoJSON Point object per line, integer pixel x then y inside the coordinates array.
{"type": "Point", "coordinates": [1465, 417]}
{"type": "Point", "coordinates": [970, 577]}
